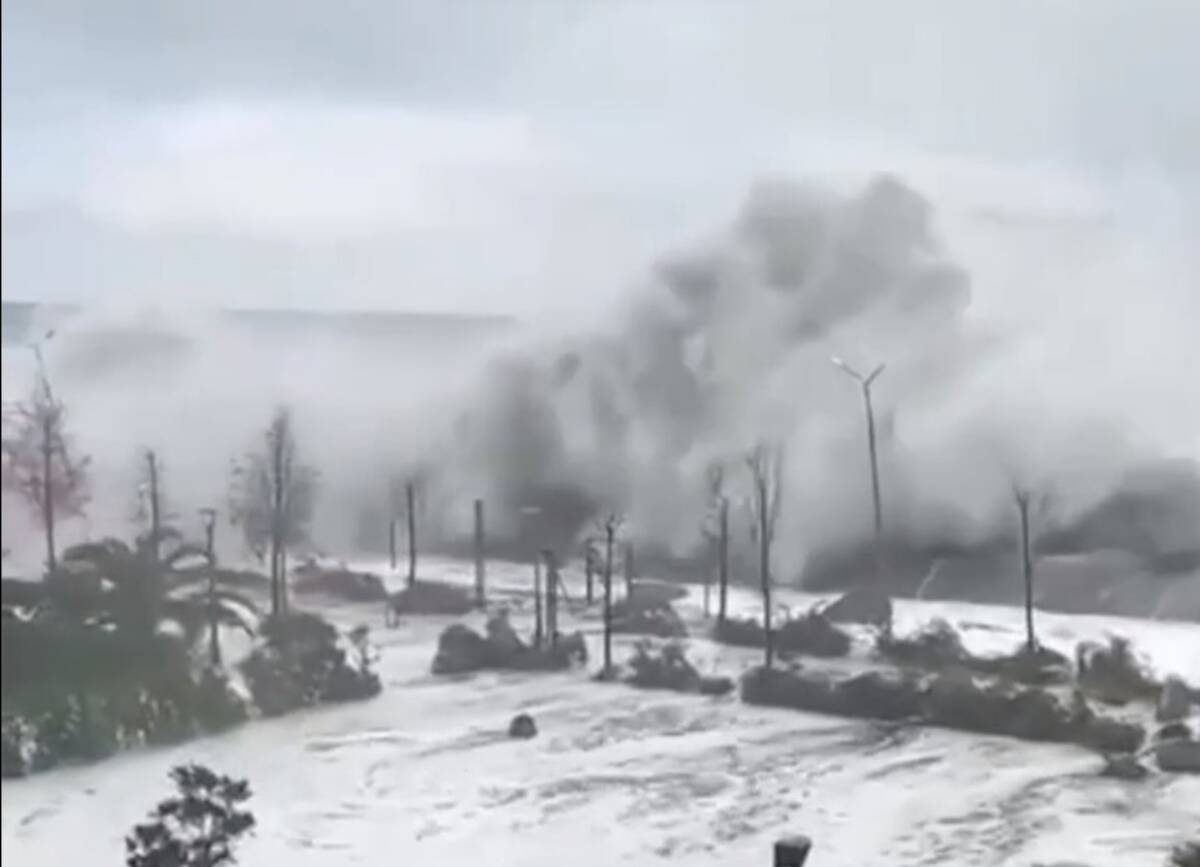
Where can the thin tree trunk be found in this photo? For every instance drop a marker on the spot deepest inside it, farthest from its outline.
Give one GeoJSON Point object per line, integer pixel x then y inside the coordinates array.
{"type": "Point", "coordinates": [723, 562]}
{"type": "Point", "coordinates": [392, 541]}
{"type": "Point", "coordinates": [480, 568]}
{"type": "Point", "coordinates": [629, 570]}
{"type": "Point", "coordinates": [1027, 572]}
{"type": "Point", "coordinates": [537, 601]}
{"type": "Point", "coordinates": [551, 598]}
{"type": "Point", "coordinates": [608, 570]}
{"type": "Point", "coordinates": [48, 493]}
{"type": "Point", "coordinates": [155, 513]}
{"type": "Point", "coordinates": [278, 493]}
{"type": "Point", "coordinates": [214, 641]}
{"type": "Point", "coordinates": [589, 571]}
{"type": "Point", "coordinates": [410, 498]}
{"type": "Point", "coordinates": [764, 570]}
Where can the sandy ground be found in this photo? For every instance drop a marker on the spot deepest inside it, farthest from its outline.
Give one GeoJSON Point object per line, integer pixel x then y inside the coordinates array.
{"type": "Point", "coordinates": [425, 775]}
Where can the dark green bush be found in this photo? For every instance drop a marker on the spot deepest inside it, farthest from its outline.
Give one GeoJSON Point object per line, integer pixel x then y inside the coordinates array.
{"type": "Point", "coordinates": [301, 663]}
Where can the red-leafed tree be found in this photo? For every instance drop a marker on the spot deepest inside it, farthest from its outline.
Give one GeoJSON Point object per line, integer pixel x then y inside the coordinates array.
{"type": "Point", "coordinates": [39, 464]}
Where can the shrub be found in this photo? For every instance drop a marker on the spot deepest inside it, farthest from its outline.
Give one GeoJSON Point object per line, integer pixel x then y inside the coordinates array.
{"type": "Point", "coordinates": [341, 583]}
{"type": "Point", "coordinates": [936, 645]}
{"type": "Point", "coordinates": [432, 597]}
{"type": "Point", "coordinates": [813, 634]}
{"type": "Point", "coordinates": [199, 827]}
{"type": "Point", "coordinates": [1185, 855]}
{"type": "Point", "coordinates": [1114, 674]}
{"type": "Point", "coordinates": [667, 669]}
{"type": "Point", "coordinates": [647, 616]}
{"type": "Point", "coordinates": [461, 650]}
{"type": "Point", "coordinates": [739, 632]}
{"type": "Point", "coordinates": [300, 664]}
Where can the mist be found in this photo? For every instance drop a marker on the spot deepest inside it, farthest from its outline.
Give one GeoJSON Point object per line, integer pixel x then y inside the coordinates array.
{"type": "Point", "coordinates": [687, 212]}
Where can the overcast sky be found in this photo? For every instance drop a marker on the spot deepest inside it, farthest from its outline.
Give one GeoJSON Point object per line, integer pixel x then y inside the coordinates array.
{"type": "Point", "coordinates": [489, 155]}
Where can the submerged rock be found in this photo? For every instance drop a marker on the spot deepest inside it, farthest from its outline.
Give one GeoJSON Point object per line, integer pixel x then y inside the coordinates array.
{"type": "Point", "coordinates": [522, 726]}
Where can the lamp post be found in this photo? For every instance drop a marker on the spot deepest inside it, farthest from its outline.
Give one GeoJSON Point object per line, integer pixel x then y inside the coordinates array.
{"type": "Point", "coordinates": [865, 383]}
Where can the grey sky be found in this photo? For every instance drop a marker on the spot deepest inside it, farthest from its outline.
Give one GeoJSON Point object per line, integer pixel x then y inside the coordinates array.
{"type": "Point", "coordinates": [502, 155]}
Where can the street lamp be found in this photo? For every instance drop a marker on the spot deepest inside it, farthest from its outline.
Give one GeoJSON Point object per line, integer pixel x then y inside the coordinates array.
{"type": "Point", "coordinates": [865, 383]}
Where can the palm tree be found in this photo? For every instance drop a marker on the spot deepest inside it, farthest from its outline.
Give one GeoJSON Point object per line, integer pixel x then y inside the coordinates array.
{"type": "Point", "coordinates": [158, 581]}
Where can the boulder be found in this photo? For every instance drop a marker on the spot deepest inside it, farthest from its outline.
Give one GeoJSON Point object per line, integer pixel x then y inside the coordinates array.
{"type": "Point", "coordinates": [1178, 756]}
{"type": "Point", "coordinates": [1124, 766]}
{"type": "Point", "coordinates": [1174, 701]}
{"type": "Point", "coordinates": [812, 634]}
{"type": "Point", "coordinates": [522, 726]}
{"type": "Point", "coordinates": [867, 605]}
{"type": "Point", "coordinates": [460, 650]}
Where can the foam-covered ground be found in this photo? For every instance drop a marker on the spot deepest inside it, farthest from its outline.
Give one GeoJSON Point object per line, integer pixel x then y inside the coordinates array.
{"type": "Point", "coordinates": [425, 775]}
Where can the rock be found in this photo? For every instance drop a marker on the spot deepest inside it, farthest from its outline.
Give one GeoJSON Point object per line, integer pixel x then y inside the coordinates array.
{"type": "Point", "coordinates": [716, 684]}
{"type": "Point", "coordinates": [868, 605]}
{"type": "Point", "coordinates": [522, 726]}
{"type": "Point", "coordinates": [1178, 756]}
{"type": "Point", "coordinates": [1124, 766]}
{"type": "Point", "coordinates": [813, 634]}
{"type": "Point", "coordinates": [1174, 701]}
{"type": "Point", "coordinates": [460, 650]}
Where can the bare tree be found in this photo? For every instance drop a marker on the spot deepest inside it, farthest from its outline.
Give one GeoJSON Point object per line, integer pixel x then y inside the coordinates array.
{"type": "Point", "coordinates": [273, 501]}
{"type": "Point", "coordinates": [765, 463]}
{"type": "Point", "coordinates": [715, 531]}
{"type": "Point", "coordinates": [1027, 509]}
{"type": "Point", "coordinates": [39, 464]}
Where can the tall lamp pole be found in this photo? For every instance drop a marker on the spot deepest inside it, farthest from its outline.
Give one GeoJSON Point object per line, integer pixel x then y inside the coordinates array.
{"type": "Point", "coordinates": [865, 383]}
